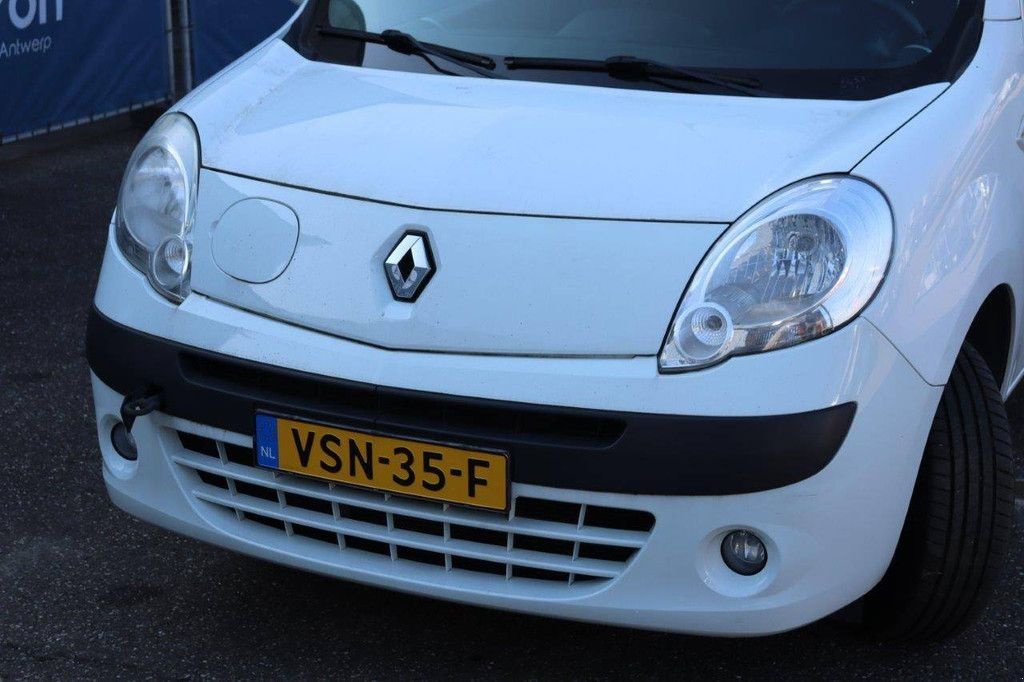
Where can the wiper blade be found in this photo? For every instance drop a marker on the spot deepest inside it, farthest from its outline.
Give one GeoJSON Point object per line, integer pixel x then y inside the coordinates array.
{"type": "Point", "coordinates": [638, 69]}
{"type": "Point", "coordinates": [405, 43]}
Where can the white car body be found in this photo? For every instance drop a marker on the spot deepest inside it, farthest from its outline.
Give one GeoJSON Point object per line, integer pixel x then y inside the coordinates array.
{"type": "Point", "coordinates": [566, 222]}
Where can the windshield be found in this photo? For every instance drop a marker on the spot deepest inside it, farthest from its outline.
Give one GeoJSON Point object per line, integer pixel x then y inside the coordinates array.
{"type": "Point", "coordinates": [855, 49]}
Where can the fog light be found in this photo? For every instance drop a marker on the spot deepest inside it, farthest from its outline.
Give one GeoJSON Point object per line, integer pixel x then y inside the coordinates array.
{"type": "Point", "coordinates": [123, 442]}
{"type": "Point", "coordinates": [744, 553]}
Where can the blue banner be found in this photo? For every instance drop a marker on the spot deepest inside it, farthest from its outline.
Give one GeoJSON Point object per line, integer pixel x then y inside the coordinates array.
{"type": "Point", "coordinates": [69, 61]}
{"type": "Point", "coordinates": [224, 30]}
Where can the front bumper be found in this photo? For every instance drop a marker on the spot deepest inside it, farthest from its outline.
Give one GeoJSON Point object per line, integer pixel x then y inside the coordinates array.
{"type": "Point", "coordinates": [596, 450]}
{"type": "Point", "coordinates": [831, 532]}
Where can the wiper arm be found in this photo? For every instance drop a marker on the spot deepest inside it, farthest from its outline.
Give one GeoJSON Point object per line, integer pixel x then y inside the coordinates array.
{"type": "Point", "coordinates": [405, 43]}
{"type": "Point", "coordinates": [638, 69]}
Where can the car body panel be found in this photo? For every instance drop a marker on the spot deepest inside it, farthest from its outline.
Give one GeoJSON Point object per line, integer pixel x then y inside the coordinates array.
{"type": "Point", "coordinates": [1002, 10]}
{"type": "Point", "coordinates": [955, 178]}
{"type": "Point", "coordinates": [494, 146]}
{"type": "Point", "coordinates": [506, 285]}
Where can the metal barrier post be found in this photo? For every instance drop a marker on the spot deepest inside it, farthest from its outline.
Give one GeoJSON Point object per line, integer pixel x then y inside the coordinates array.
{"type": "Point", "coordinates": [185, 19]}
{"type": "Point", "coordinates": [171, 63]}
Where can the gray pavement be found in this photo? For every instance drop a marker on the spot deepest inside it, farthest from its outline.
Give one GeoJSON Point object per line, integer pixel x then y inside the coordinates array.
{"type": "Point", "coordinates": [88, 593]}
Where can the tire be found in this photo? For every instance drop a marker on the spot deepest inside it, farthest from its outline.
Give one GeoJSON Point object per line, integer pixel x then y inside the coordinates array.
{"type": "Point", "coordinates": [955, 538]}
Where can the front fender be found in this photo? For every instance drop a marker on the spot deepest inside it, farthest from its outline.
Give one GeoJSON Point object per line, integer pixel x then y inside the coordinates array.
{"type": "Point", "coordinates": [955, 178]}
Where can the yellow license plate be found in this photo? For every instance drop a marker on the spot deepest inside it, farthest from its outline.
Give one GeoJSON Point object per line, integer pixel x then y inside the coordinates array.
{"type": "Point", "coordinates": [396, 465]}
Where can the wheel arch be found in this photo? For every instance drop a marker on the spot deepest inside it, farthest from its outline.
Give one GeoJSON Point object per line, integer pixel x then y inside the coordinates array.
{"type": "Point", "coordinates": [991, 332]}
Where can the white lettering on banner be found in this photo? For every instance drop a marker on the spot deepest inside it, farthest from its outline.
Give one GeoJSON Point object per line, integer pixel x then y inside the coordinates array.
{"type": "Point", "coordinates": [23, 13]}
{"type": "Point", "coordinates": [22, 47]}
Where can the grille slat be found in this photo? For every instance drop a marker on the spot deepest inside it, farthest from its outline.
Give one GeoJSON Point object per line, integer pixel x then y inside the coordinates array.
{"type": "Point", "coordinates": [223, 453]}
{"type": "Point", "coordinates": [577, 543]}
{"type": "Point", "coordinates": [555, 542]}
{"type": "Point", "coordinates": [447, 526]}
{"type": "Point", "coordinates": [416, 509]}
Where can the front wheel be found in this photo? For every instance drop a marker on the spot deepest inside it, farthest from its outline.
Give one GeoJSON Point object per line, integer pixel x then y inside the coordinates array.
{"type": "Point", "coordinates": [955, 537]}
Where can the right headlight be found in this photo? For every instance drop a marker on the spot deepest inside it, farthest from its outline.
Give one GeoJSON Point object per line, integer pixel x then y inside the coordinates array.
{"type": "Point", "coordinates": [156, 206]}
{"type": "Point", "coordinates": [798, 266]}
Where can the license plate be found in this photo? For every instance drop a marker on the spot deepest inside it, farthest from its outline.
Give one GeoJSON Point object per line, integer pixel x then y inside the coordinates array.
{"type": "Point", "coordinates": [420, 469]}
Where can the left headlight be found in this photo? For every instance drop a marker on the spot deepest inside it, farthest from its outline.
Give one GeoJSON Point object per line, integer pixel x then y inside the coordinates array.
{"type": "Point", "coordinates": [156, 206]}
{"type": "Point", "coordinates": [798, 266]}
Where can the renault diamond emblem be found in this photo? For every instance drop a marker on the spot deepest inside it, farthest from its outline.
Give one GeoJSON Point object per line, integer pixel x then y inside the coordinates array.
{"type": "Point", "coordinates": [410, 266]}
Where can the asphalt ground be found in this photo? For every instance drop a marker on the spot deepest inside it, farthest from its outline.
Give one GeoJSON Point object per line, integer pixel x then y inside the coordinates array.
{"type": "Point", "coordinates": [86, 592]}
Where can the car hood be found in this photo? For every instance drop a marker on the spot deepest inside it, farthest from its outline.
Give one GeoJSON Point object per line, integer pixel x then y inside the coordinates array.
{"type": "Point", "coordinates": [524, 148]}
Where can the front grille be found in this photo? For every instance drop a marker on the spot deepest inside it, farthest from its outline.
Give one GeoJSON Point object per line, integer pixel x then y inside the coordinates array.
{"type": "Point", "coordinates": [404, 410]}
{"type": "Point", "coordinates": [539, 542]}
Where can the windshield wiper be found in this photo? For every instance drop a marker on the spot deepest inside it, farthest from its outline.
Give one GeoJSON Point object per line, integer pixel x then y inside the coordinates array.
{"type": "Point", "coordinates": [638, 69]}
{"type": "Point", "coordinates": [407, 44]}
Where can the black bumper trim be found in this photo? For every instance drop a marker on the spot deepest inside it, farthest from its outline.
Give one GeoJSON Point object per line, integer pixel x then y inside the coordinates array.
{"type": "Point", "coordinates": [601, 451]}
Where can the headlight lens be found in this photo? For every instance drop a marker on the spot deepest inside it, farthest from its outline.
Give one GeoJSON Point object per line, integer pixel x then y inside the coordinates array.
{"type": "Point", "coordinates": [156, 207]}
{"type": "Point", "coordinates": [797, 267]}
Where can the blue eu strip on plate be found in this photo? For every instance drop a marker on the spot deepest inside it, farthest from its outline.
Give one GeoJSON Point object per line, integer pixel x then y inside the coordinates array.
{"type": "Point", "coordinates": [266, 441]}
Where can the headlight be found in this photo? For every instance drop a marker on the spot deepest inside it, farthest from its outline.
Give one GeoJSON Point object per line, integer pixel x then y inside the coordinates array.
{"type": "Point", "coordinates": [797, 267]}
{"type": "Point", "coordinates": [156, 207]}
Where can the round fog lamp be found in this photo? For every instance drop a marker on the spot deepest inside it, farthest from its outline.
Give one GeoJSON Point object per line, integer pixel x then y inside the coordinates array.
{"type": "Point", "coordinates": [744, 553]}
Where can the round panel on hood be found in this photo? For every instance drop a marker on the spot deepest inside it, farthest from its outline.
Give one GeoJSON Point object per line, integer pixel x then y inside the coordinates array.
{"type": "Point", "coordinates": [255, 239]}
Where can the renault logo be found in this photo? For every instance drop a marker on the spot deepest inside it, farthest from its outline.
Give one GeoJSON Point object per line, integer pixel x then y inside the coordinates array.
{"type": "Point", "coordinates": [410, 266]}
